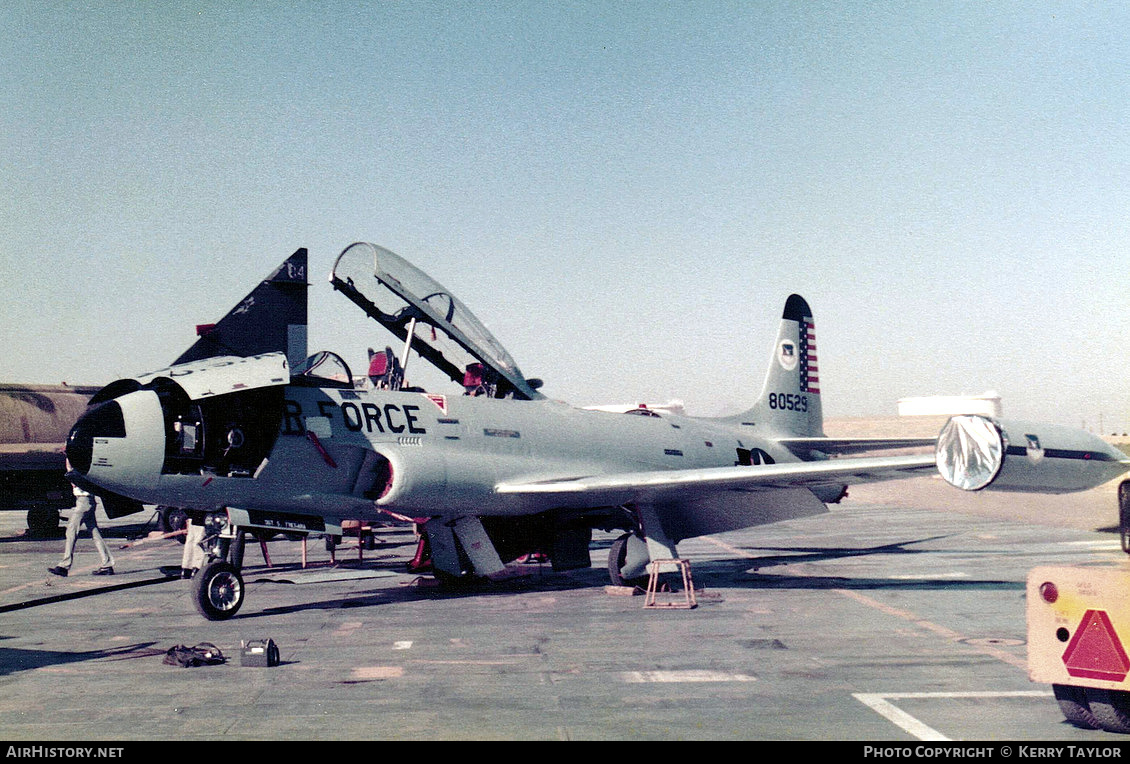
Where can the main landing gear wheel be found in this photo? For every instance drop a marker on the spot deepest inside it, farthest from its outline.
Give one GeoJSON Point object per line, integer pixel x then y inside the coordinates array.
{"type": "Point", "coordinates": [172, 520]}
{"type": "Point", "coordinates": [42, 522]}
{"type": "Point", "coordinates": [617, 557]}
{"type": "Point", "coordinates": [455, 582]}
{"type": "Point", "coordinates": [217, 590]}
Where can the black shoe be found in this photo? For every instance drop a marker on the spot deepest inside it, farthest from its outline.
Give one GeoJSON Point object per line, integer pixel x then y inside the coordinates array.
{"type": "Point", "coordinates": [58, 571]}
{"type": "Point", "coordinates": [187, 573]}
{"type": "Point", "coordinates": [107, 570]}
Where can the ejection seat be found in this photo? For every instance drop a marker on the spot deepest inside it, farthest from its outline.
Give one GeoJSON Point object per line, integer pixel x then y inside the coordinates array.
{"type": "Point", "coordinates": [473, 380]}
{"type": "Point", "coordinates": [384, 370]}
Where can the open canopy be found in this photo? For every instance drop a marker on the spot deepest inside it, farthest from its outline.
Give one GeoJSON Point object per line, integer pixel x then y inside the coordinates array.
{"type": "Point", "coordinates": [416, 309]}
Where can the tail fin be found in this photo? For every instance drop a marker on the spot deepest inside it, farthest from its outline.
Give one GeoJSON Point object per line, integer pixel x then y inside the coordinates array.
{"type": "Point", "coordinates": [272, 318]}
{"type": "Point", "coordinates": [790, 400]}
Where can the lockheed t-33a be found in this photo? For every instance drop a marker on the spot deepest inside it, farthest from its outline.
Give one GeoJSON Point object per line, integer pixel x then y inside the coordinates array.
{"type": "Point", "coordinates": [490, 468]}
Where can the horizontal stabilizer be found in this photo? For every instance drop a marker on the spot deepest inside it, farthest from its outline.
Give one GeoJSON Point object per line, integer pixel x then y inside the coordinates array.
{"type": "Point", "coordinates": [853, 445]}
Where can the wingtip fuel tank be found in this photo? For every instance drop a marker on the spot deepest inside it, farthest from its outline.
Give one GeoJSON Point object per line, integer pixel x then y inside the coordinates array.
{"type": "Point", "coordinates": [979, 453]}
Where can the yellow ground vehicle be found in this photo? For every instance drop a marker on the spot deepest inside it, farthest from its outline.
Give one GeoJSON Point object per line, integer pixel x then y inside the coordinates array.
{"type": "Point", "coordinates": [1079, 635]}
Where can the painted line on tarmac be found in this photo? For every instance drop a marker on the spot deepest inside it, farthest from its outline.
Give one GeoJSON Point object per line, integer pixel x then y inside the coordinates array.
{"type": "Point", "coordinates": [688, 675]}
{"type": "Point", "coordinates": [84, 593]}
{"type": "Point", "coordinates": [986, 649]}
{"type": "Point", "coordinates": [881, 704]}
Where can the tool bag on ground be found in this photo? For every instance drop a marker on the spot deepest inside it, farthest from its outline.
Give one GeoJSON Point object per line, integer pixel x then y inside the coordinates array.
{"type": "Point", "coordinates": [203, 654]}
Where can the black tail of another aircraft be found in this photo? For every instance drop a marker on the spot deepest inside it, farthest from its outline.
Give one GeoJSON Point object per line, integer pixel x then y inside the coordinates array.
{"type": "Point", "coordinates": [790, 400]}
{"type": "Point", "coordinates": [270, 319]}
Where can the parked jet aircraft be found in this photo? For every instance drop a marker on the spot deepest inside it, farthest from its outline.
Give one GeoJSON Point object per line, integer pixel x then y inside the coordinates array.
{"type": "Point", "coordinates": [34, 422]}
{"type": "Point", "coordinates": [492, 469]}
{"type": "Point", "coordinates": [35, 419]}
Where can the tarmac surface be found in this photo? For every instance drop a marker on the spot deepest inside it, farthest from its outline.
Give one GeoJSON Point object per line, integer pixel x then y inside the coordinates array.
{"type": "Point", "coordinates": [898, 616]}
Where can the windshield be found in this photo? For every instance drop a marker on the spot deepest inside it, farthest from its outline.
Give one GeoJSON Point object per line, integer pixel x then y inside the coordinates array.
{"type": "Point", "coordinates": [406, 300]}
{"type": "Point", "coordinates": [323, 369]}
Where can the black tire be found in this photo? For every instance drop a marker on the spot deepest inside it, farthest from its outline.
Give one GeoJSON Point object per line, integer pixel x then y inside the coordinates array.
{"type": "Point", "coordinates": [1124, 515]}
{"type": "Point", "coordinates": [218, 590]}
{"type": "Point", "coordinates": [617, 556]}
{"type": "Point", "coordinates": [1073, 703]}
{"type": "Point", "coordinates": [456, 582]}
{"type": "Point", "coordinates": [172, 520]}
{"type": "Point", "coordinates": [1110, 709]}
{"type": "Point", "coordinates": [617, 553]}
{"type": "Point", "coordinates": [42, 522]}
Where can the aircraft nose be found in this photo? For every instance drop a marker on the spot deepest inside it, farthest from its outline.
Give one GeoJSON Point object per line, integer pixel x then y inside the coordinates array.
{"type": "Point", "coordinates": [103, 421]}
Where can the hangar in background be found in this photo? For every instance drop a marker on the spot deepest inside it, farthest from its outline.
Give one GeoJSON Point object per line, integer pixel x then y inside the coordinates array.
{"type": "Point", "coordinates": [987, 404]}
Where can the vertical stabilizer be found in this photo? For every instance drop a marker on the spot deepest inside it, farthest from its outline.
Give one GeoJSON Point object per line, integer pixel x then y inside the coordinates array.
{"type": "Point", "coordinates": [270, 319]}
{"type": "Point", "coordinates": [790, 400]}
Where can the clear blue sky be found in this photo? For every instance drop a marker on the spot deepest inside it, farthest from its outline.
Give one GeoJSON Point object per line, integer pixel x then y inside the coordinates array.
{"type": "Point", "coordinates": [625, 192]}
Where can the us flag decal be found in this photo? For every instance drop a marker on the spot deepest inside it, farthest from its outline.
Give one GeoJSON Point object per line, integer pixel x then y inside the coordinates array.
{"type": "Point", "coordinates": [809, 372]}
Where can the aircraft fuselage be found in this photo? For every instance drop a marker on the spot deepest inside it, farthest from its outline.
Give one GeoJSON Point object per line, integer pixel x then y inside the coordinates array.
{"type": "Point", "coordinates": [349, 454]}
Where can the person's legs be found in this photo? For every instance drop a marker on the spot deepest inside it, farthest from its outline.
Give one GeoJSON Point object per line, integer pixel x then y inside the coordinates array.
{"type": "Point", "coordinates": [99, 543]}
{"type": "Point", "coordinates": [192, 558]}
{"type": "Point", "coordinates": [82, 506]}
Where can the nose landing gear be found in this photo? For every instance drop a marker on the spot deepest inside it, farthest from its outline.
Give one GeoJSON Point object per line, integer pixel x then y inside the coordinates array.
{"type": "Point", "coordinates": [218, 590]}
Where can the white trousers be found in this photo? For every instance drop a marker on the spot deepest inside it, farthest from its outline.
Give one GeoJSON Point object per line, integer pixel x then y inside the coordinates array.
{"type": "Point", "coordinates": [84, 512]}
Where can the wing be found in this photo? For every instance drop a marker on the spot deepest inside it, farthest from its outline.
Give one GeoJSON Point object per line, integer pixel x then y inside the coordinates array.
{"type": "Point", "coordinates": [637, 486]}
{"type": "Point", "coordinates": [698, 502]}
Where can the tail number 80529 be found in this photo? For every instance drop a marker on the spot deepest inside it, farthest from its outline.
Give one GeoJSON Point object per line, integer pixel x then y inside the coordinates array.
{"type": "Point", "coordinates": [788, 402]}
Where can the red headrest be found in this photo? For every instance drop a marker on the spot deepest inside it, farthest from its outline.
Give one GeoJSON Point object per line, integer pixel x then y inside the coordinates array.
{"type": "Point", "coordinates": [473, 376]}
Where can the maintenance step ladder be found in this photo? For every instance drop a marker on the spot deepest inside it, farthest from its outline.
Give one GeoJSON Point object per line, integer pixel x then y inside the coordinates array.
{"type": "Point", "coordinates": [688, 602]}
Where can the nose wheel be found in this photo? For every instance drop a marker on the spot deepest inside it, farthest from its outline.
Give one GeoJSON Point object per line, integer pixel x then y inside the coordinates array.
{"type": "Point", "coordinates": [218, 590]}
